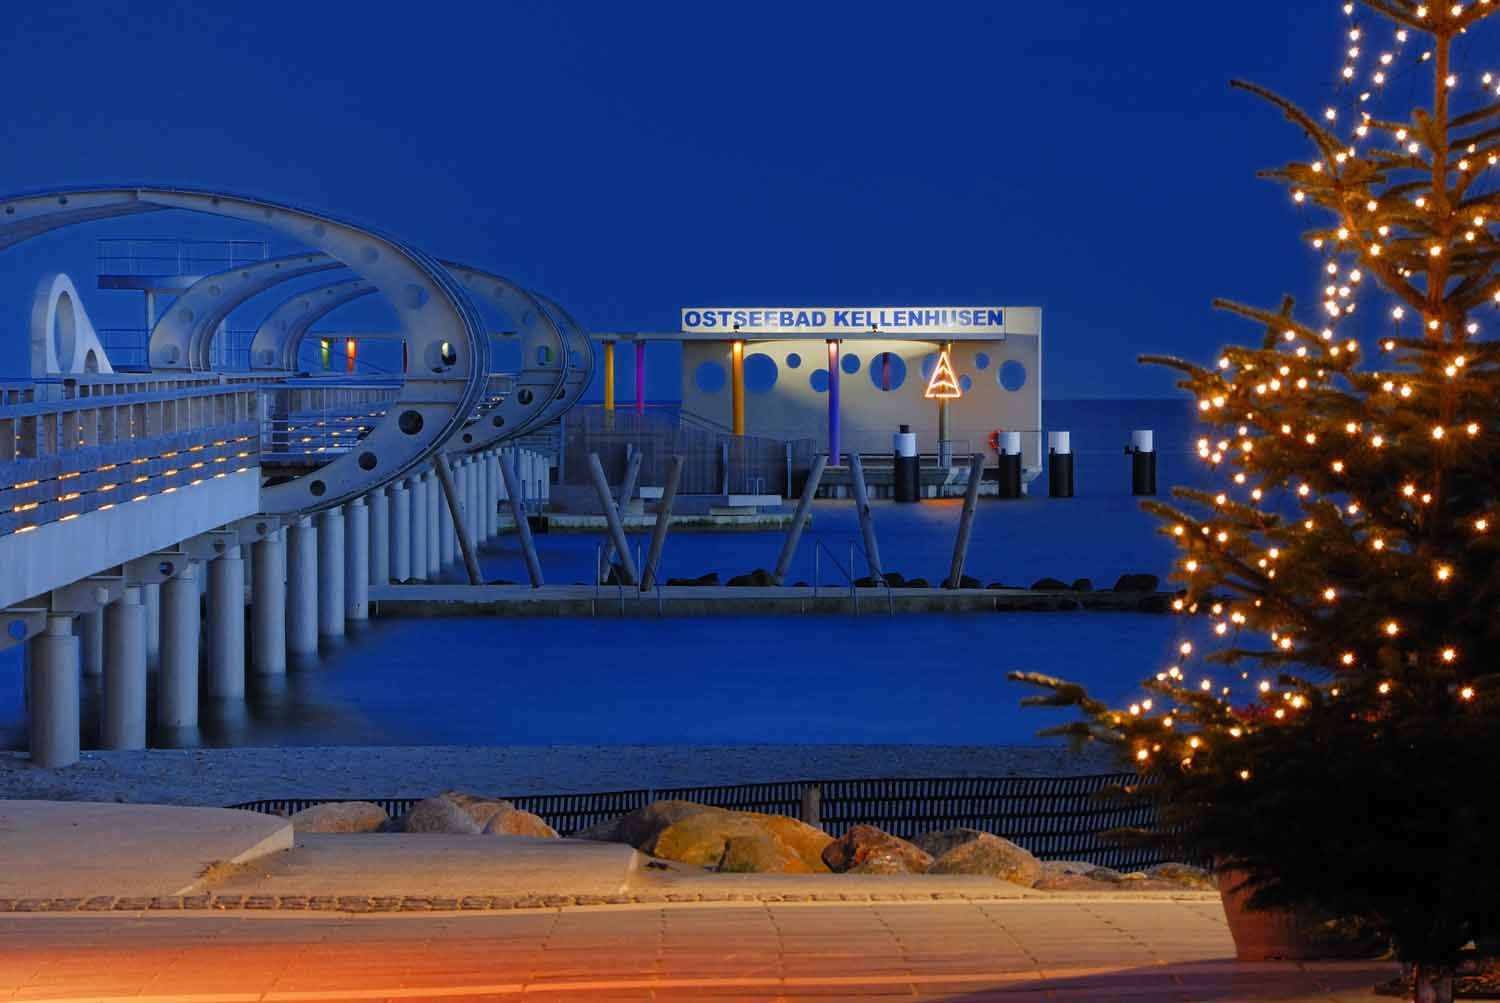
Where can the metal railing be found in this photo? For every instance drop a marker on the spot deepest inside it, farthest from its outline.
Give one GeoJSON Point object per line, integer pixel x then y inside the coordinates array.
{"type": "Point", "coordinates": [173, 256]}
{"type": "Point", "coordinates": [1056, 818]}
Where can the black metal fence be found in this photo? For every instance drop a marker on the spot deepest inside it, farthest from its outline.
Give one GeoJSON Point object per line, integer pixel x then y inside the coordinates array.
{"type": "Point", "coordinates": [1056, 818]}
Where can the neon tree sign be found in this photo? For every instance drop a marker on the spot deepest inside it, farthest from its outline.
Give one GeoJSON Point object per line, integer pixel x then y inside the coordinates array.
{"type": "Point", "coordinates": [943, 385]}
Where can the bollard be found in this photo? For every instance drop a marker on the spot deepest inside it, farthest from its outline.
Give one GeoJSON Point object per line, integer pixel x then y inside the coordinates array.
{"type": "Point", "coordinates": [1142, 452]}
{"type": "Point", "coordinates": [908, 475]}
{"type": "Point", "coordinates": [1059, 465]}
{"type": "Point", "coordinates": [1010, 464]}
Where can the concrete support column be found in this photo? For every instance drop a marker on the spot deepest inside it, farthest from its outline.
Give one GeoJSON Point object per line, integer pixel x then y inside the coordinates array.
{"type": "Point", "coordinates": [90, 629]}
{"type": "Point", "coordinates": [122, 724]}
{"type": "Point", "coordinates": [471, 499]}
{"type": "Point", "coordinates": [447, 543]}
{"type": "Point", "coordinates": [400, 533]}
{"type": "Point", "coordinates": [461, 486]}
{"type": "Point", "coordinates": [434, 525]}
{"type": "Point", "coordinates": [380, 536]}
{"type": "Point", "coordinates": [357, 560]}
{"type": "Point", "coordinates": [268, 604]}
{"type": "Point", "coordinates": [151, 599]}
{"type": "Point", "coordinates": [302, 588]}
{"type": "Point", "coordinates": [52, 693]}
{"type": "Point", "coordinates": [417, 530]}
{"type": "Point", "coordinates": [640, 377]}
{"type": "Point", "coordinates": [331, 573]}
{"type": "Point", "coordinates": [492, 504]}
{"type": "Point", "coordinates": [226, 626]}
{"type": "Point", "coordinates": [177, 682]}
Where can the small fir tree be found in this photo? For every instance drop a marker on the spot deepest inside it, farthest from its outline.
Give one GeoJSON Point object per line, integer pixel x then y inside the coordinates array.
{"type": "Point", "coordinates": [1339, 742]}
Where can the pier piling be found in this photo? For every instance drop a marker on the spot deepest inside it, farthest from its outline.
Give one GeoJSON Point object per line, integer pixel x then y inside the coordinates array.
{"type": "Point", "coordinates": [966, 522]}
{"type": "Point", "coordinates": [523, 527]}
{"type": "Point", "coordinates": [612, 518]}
{"type": "Point", "coordinates": [663, 522]}
{"type": "Point", "coordinates": [177, 683]}
{"type": "Point", "coordinates": [866, 520]}
{"type": "Point", "coordinates": [465, 541]}
{"type": "Point", "coordinates": [52, 666]}
{"type": "Point", "coordinates": [122, 724]}
{"type": "Point", "coordinates": [799, 519]}
{"type": "Point", "coordinates": [225, 679]}
{"type": "Point", "coordinates": [268, 604]}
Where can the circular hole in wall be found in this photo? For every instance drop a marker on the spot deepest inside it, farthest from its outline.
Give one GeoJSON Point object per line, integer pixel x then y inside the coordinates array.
{"type": "Point", "coordinates": [367, 461]}
{"type": "Point", "coordinates": [849, 364]}
{"type": "Point", "coordinates": [965, 383]}
{"type": "Point", "coordinates": [760, 373]}
{"type": "Point", "coordinates": [710, 377]}
{"type": "Point", "coordinates": [818, 380]}
{"type": "Point", "coordinates": [793, 361]}
{"type": "Point", "coordinates": [410, 422]}
{"type": "Point", "coordinates": [525, 396]}
{"type": "Point", "coordinates": [887, 371]}
{"type": "Point", "coordinates": [1012, 375]}
{"type": "Point", "coordinates": [318, 488]}
{"type": "Point", "coordinates": [981, 360]}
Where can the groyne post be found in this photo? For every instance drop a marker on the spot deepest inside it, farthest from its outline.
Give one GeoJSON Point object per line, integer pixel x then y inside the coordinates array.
{"type": "Point", "coordinates": [866, 520]}
{"type": "Point", "coordinates": [799, 519]}
{"type": "Point", "coordinates": [663, 521]}
{"type": "Point", "coordinates": [966, 521]}
{"type": "Point", "coordinates": [627, 491]}
{"type": "Point", "coordinates": [811, 811]}
{"type": "Point", "coordinates": [523, 527]}
{"type": "Point", "coordinates": [450, 491]}
{"type": "Point", "coordinates": [612, 518]}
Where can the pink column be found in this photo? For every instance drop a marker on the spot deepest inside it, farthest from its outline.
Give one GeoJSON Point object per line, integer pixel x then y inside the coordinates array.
{"type": "Point", "coordinates": [640, 377]}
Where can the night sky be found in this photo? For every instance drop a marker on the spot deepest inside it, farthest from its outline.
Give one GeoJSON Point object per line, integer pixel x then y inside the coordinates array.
{"type": "Point", "coordinates": [1085, 156]}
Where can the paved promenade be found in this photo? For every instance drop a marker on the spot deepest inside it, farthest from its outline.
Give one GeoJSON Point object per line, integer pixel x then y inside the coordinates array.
{"type": "Point", "coordinates": [1017, 951]}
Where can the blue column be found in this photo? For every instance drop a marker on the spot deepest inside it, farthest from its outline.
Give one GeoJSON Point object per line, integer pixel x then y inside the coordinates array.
{"type": "Point", "coordinates": [833, 401]}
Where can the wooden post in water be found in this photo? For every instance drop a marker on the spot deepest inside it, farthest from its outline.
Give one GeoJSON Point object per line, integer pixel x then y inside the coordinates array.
{"type": "Point", "coordinates": [612, 520]}
{"type": "Point", "coordinates": [627, 489]}
{"type": "Point", "coordinates": [518, 512]}
{"type": "Point", "coordinates": [799, 519]}
{"type": "Point", "coordinates": [866, 522]}
{"type": "Point", "coordinates": [663, 520]}
{"type": "Point", "coordinates": [966, 522]}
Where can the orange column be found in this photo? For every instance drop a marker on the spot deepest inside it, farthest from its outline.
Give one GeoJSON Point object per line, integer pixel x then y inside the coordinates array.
{"type": "Point", "coordinates": [737, 384]}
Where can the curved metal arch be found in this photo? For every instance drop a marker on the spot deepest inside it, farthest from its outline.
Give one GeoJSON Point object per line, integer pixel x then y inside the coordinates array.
{"type": "Point", "coordinates": [279, 338]}
{"type": "Point", "coordinates": [184, 334]}
{"type": "Point", "coordinates": [447, 343]}
{"type": "Point", "coordinates": [580, 358]}
{"type": "Point", "coordinates": [541, 377]}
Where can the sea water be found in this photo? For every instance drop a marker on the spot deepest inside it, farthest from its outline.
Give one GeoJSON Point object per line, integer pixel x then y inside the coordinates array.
{"type": "Point", "coordinates": [928, 679]}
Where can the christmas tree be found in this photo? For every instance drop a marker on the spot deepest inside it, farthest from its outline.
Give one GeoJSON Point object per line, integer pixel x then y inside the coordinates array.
{"type": "Point", "coordinates": [1338, 737]}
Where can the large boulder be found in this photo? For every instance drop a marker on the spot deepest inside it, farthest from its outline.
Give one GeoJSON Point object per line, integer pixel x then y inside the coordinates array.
{"type": "Point", "coordinates": [692, 833]}
{"type": "Point", "coordinates": [969, 851]}
{"type": "Point", "coordinates": [1185, 875]}
{"type": "Point", "coordinates": [865, 849]}
{"type": "Point", "coordinates": [340, 816]}
{"type": "Point", "coordinates": [481, 809]}
{"type": "Point", "coordinates": [1137, 583]}
{"type": "Point", "coordinates": [1071, 876]}
{"type": "Point", "coordinates": [436, 815]}
{"type": "Point", "coordinates": [1049, 585]}
{"type": "Point", "coordinates": [512, 821]}
{"type": "Point", "coordinates": [760, 854]}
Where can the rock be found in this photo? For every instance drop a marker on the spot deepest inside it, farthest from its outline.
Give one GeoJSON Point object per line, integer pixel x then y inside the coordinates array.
{"type": "Point", "coordinates": [481, 809]}
{"type": "Point", "coordinates": [867, 582]}
{"type": "Point", "coordinates": [641, 827]}
{"type": "Point", "coordinates": [512, 821]}
{"type": "Point", "coordinates": [506, 581]}
{"type": "Point", "coordinates": [436, 815]}
{"type": "Point", "coordinates": [1183, 874]}
{"type": "Point", "coordinates": [340, 816]}
{"type": "Point", "coordinates": [1154, 604]}
{"type": "Point", "coordinates": [865, 849]}
{"type": "Point", "coordinates": [1083, 585]}
{"type": "Point", "coordinates": [712, 578]}
{"type": "Point", "coordinates": [760, 854]}
{"type": "Point", "coordinates": [1049, 585]}
{"type": "Point", "coordinates": [1137, 583]}
{"type": "Point", "coordinates": [760, 578]}
{"type": "Point", "coordinates": [701, 838]}
{"type": "Point", "coordinates": [895, 579]}
{"type": "Point", "coordinates": [806, 841]}
{"type": "Point", "coordinates": [918, 583]}
{"type": "Point", "coordinates": [969, 851]}
{"type": "Point", "coordinates": [969, 582]}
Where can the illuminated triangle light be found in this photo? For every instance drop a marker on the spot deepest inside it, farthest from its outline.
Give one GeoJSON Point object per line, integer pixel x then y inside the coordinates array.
{"type": "Point", "coordinates": [943, 385]}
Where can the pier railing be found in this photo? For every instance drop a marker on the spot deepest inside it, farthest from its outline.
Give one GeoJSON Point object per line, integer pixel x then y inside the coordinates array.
{"type": "Point", "coordinates": [1056, 818]}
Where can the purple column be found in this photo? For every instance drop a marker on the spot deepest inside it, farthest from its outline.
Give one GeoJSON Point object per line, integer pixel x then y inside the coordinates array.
{"type": "Point", "coordinates": [833, 402]}
{"type": "Point", "coordinates": [640, 377]}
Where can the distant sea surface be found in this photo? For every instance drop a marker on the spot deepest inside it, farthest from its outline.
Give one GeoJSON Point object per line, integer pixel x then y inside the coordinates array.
{"type": "Point", "coordinates": [872, 679]}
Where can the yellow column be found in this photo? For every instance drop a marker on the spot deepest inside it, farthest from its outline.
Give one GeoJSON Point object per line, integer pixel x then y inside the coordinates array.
{"type": "Point", "coordinates": [737, 383]}
{"type": "Point", "coordinates": [609, 376]}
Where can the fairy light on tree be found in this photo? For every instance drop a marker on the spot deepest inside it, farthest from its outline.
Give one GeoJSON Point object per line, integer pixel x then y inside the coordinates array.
{"type": "Point", "coordinates": [1337, 738]}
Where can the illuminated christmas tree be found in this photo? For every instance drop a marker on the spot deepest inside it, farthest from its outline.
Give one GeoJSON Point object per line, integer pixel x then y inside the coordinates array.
{"type": "Point", "coordinates": [943, 385]}
{"type": "Point", "coordinates": [1338, 736]}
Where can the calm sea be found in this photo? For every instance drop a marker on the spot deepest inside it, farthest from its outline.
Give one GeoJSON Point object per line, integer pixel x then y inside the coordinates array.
{"type": "Point", "coordinates": [813, 680]}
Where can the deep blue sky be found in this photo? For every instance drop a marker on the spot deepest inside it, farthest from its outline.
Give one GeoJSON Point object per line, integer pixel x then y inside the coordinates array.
{"type": "Point", "coordinates": [1086, 156]}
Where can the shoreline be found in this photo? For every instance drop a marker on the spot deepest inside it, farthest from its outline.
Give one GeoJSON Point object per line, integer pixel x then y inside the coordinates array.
{"type": "Point", "coordinates": [218, 777]}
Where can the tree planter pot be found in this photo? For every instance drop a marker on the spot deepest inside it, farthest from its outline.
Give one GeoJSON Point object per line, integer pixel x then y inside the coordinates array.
{"type": "Point", "coordinates": [1285, 934]}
